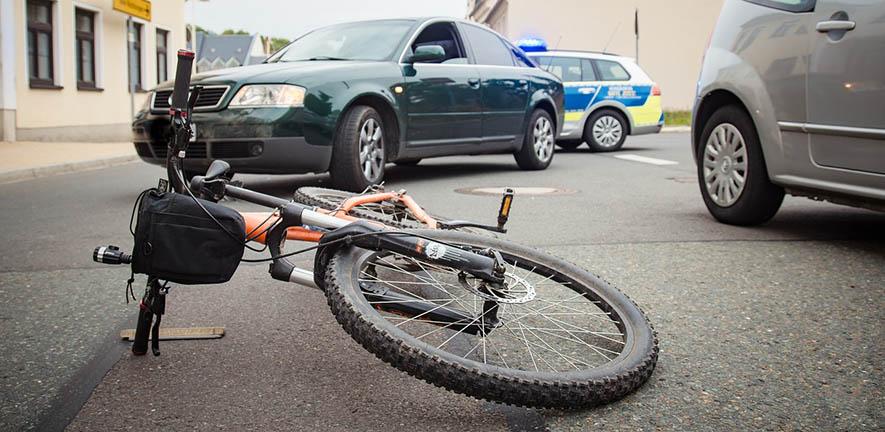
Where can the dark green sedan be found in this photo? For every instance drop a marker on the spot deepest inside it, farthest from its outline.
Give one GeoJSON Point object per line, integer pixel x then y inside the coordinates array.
{"type": "Point", "coordinates": [350, 98]}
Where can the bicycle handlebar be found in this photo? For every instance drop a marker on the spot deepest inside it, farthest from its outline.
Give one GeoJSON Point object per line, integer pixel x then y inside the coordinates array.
{"type": "Point", "coordinates": [182, 80]}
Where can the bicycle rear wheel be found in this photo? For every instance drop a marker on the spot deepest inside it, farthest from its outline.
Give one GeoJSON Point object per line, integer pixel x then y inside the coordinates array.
{"type": "Point", "coordinates": [386, 212]}
{"type": "Point", "coordinates": [557, 336]}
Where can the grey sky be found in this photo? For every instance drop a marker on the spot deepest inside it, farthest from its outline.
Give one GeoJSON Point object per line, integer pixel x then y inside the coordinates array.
{"type": "Point", "coordinates": [292, 18]}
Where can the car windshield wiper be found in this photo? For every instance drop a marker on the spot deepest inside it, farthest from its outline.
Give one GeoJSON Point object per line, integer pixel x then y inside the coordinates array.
{"type": "Point", "coordinates": [321, 58]}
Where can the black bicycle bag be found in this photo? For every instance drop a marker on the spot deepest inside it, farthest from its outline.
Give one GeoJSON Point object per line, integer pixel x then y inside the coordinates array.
{"type": "Point", "coordinates": [185, 240]}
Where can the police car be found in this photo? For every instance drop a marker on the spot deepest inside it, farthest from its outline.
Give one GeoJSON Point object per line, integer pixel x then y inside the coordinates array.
{"type": "Point", "coordinates": [607, 97]}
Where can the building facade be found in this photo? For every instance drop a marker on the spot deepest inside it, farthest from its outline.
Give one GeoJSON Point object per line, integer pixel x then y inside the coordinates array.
{"type": "Point", "coordinates": [673, 34]}
{"type": "Point", "coordinates": [66, 66]}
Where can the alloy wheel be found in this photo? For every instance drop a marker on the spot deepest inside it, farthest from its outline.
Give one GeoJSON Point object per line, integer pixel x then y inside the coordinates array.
{"type": "Point", "coordinates": [543, 139]}
{"type": "Point", "coordinates": [725, 165]}
{"type": "Point", "coordinates": [607, 131]}
{"type": "Point", "coordinates": [371, 150]}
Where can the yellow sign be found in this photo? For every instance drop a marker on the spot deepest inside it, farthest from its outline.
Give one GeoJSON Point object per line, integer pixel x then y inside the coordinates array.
{"type": "Point", "coordinates": [136, 8]}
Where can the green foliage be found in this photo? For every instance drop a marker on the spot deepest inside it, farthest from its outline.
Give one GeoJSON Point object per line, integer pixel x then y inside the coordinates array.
{"type": "Point", "coordinates": [677, 118]}
{"type": "Point", "coordinates": [276, 43]}
{"type": "Point", "coordinates": [234, 32]}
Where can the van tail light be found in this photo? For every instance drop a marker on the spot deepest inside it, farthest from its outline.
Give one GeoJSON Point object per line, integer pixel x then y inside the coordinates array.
{"type": "Point", "coordinates": [656, 90]}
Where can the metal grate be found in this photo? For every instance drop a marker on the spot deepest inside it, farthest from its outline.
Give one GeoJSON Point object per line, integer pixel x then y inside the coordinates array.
{"type": "Point", "coordinates": [210, 97]}
{"type": "Point", "coordinates": [195, 150]}
{"type": "Point", "coordinates": [231, 150]}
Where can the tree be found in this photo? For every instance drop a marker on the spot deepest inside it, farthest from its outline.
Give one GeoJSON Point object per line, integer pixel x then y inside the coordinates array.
{"type": "Point", "coordinates": [276, 43]}
{"type": "Point", "coordinates": [234, 32]}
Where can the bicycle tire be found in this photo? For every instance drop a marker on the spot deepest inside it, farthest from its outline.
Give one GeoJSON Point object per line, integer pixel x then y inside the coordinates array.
{"type": "Point", "coordinates": [574, 389]}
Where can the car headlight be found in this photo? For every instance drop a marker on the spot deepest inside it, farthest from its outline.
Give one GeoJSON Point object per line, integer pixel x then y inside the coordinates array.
{"type": "Point", "coordinates": [268, 95]}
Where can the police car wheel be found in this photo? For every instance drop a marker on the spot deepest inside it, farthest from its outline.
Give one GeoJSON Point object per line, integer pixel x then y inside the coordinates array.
{"type": "Point", "coordinates": [606, 130]}
{"type": "Point", "coordinates": [537, 146]}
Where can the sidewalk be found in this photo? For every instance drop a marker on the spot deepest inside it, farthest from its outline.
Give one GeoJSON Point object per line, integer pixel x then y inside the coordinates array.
{"type": "Point", "coordinates": [21, 161]}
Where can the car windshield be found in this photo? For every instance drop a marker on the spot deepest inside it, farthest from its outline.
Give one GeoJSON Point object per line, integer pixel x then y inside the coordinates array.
{"type": "Point", "coordinates": [369, 40]}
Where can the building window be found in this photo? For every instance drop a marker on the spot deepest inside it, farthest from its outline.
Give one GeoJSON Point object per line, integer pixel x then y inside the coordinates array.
{"type": "Point", "coordinates": [135, 56]}
{"type": "Point", "coordinates": [40, 67]}
{"type": "Point", "coordinates": [162, 39]}
{"type": "Point", "coordinates": [85, 34]}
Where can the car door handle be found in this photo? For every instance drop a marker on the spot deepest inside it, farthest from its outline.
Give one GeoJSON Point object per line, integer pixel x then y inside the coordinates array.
{"type": "Point", "coordinates": [835, 25]}
{"type": "Point", "coordinates": [473, 82]}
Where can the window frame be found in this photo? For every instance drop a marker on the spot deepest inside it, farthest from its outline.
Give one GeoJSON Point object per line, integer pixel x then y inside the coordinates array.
{"type": "Point", "coordinates": [80, 36]}
{"type": "Point", "coordinates": [32, 30]}
{"type": "Point", "coordinates": [165, 53]}
{"type": "Point", "coordinates": [775, 4]}
{"type": "Point", "coordinates": [140, 28]}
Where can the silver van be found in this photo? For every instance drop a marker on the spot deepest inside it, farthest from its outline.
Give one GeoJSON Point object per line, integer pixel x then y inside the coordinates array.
{"type": "Point", "coordinates": [791, 99]}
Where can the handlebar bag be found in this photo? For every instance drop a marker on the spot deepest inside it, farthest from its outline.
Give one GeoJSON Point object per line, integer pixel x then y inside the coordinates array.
{"type": "Point", "coordinates": [177, 239]}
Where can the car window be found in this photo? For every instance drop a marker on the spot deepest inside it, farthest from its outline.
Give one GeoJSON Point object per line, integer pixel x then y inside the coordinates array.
{"type": "Point", "coordinates": [787, 5]}
{"type": "Point", "coordinates": [488, 48]}
{"type": "Point", "coordinates": [442, 34]}
{"type": "Point", "coordinates": [368, 40]}
{"type": "Point", "coordinates": [588, 73]}
{"type": "Point", "coordinates": [611, 71]}
{"type": "Point", "coordinates": [565, 68]}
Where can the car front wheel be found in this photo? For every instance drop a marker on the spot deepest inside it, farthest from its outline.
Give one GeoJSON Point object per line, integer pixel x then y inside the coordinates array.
{"type": "Point", "coordinates": [537, 146]}
{"type": "Point", "coordinates": [731, 170]}
{"type": "Point", "coordinates": [606, 131]}
{"type": "Point", "coordinates": [358, 153]}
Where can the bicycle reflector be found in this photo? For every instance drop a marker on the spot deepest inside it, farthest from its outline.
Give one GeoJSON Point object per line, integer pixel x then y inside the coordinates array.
{"type": "Point", "coordinates": [504, 212]}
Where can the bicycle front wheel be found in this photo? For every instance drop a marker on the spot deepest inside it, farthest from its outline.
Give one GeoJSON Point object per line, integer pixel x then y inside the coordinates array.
{"type": "Point", "coordinates": [555, 336]}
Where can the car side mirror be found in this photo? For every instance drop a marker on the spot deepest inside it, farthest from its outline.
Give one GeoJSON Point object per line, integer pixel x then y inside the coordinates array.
{"type": "Point", "coordinates": [427, 53]}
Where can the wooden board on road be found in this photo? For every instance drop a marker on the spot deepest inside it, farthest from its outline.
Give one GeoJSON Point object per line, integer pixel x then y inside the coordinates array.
{"type": "Point", "coordinates": [184, 333]}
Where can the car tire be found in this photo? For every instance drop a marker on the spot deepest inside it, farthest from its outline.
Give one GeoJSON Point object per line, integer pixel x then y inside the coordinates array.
{"type": "Point", "coordinates": [536, 152]}
{"type": "Point", "coordinates": [408, 162]}
{"type": "Point", "coordinates": [569, 144]}
{"type": "Point", "coordinates": [605, 131]}
{"type": "Point", "coordinates": [731, 169]}
{"type": "Point", "coordinates": [358, 152]}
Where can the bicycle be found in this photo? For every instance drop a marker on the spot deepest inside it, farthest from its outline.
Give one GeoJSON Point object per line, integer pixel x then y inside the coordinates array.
{"type": "Point", "coordinates": [477, 315]}
{"type": "Point", "coordinates": [395, 209]}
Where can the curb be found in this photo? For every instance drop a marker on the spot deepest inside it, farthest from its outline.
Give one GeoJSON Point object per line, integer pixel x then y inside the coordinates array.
{"type": "Point", "coordinates": [675, 129]}
{"type": "Point", "coordinates": [66, 168]}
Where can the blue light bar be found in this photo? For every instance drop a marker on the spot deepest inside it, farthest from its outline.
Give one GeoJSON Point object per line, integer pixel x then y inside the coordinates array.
{"type": "Point", "coordinates": [532, 44]}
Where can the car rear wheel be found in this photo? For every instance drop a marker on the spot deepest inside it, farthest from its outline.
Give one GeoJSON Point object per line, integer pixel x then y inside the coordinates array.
{"type": "Point", "coordinates": [606, 131]}
{"type": "Point", "coordinates": [358, 153]}
{"type": "Point", "coordinates": [731, 170]}
{"type": "Point", "coordinates": [537, 146]}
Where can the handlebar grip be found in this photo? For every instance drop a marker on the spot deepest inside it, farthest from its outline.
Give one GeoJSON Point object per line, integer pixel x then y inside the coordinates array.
{"type": "Point", "coordinates": [140, 343]}
{"type": "Point", "coordinates": [182, 79]}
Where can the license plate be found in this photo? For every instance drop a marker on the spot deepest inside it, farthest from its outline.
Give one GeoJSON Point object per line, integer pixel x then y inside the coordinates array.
{"type": "Point", "coordinates": [193, 132]}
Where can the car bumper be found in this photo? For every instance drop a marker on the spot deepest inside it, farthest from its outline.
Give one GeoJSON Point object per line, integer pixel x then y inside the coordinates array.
{"type": "Point", "coordinates": [287, 155]}
{"type": "Point", "coordinates": [268, 141]}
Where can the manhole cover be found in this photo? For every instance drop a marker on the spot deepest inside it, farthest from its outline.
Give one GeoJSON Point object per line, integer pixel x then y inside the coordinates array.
{"type": "Point", "coordinates": [516, 190]}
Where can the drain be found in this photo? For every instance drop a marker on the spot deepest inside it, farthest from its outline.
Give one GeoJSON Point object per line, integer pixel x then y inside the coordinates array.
{"type": "Point", "coordinates": [516, 190]}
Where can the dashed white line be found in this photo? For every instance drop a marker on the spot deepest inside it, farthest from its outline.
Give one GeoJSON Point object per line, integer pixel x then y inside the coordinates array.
{"type": "Point", "coordinates": [648, 160]}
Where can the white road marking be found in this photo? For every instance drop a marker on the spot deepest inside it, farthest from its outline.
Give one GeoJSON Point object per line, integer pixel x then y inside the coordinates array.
{"type": "Point", "coordinates": [648, 160]}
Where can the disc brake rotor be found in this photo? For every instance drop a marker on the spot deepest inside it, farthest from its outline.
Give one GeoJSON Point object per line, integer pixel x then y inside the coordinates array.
{"type": "Point", "coordinates": [515, 290]}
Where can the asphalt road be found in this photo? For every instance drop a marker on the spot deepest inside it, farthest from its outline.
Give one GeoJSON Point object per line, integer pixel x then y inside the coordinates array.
{"type": "Point", "coordinates": [777, 327]}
